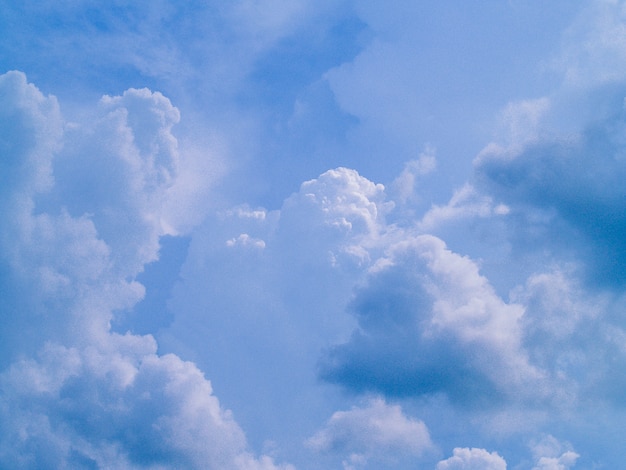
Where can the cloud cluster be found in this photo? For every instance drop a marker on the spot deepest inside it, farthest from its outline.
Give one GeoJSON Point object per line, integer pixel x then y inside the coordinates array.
{"type": "Point", "coordinates": [481, 322]}
{"type": "Point", "coordinates": [119, 405]}
{"type": "Point", "coordinates": [83, 208]}
{"type": "Point", "coordinates": [429, 324]}
{"type": "Point", "coordinates": [264, 291]}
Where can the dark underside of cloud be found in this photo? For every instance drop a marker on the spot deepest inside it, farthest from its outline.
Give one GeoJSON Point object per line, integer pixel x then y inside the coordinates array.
{"type": "Point", "coordinates": [578, 183]}
{"type": "Point", "coordinates": [387, 366]}
{"type": "Point", "coordinates": [425, 321]}
{"type": "Point", "coordinates": [390, 354]}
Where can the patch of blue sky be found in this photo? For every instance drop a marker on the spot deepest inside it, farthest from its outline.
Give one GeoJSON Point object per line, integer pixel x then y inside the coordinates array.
{"type": "Point", "coordinates": [159, 277]}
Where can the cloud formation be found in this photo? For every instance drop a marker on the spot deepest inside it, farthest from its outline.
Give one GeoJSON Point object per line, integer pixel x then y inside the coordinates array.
{"type": "Point", "coordinates": [376, 431]}
{"type": "Point", "coordinates": [482, 304]}
{"type": "Point", "coordinates": [118, 405]}
{"type": "Point", "coordinates": [472, 459]}
{"type": "Point", "coordinates": [74, 393]}
{"type": "Point", "coordinates": [430, 323]}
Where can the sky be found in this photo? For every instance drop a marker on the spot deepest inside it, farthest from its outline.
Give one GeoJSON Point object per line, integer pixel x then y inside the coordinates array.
{"type": "Point", "coordinates": [297, 234]}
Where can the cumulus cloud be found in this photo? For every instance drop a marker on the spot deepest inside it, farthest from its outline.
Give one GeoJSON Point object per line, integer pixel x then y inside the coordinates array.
{"type": "Point", "coordinates": [340, 212]}
{"type": "Point", "coordinates": [430, 323]}
{"type": "Point", "coordinates": [77, 242]}
{"type": "Point", "coordinates": [593, 44]}
{"type": "Point", "coordinates": [376, 430]}
{"type": "Point", "coordinates": [401, 303]}
{"type": "Point", "coordinates": [27, 157]}
{"type": "Point", "coordinates": [72, 393]}
{"type": "Point", "coordinates": [118, 405]}
{"type": "Point", "coordinates": [118, 168]}
{"type": "Point", "coordinates": [282, 303]}
{"type": "Point", "coordinates": [472, 459]}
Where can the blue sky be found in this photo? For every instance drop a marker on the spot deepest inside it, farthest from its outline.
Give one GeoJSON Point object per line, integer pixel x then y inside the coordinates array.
{"type": "Point", "coordinates": [294, 234]}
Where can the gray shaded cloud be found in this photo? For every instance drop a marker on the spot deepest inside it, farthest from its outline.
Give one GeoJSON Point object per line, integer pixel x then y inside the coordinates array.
{"type": "Point", "coordinates": [430, 323]}
{"type": "Point", "coordinates": [568, 188]}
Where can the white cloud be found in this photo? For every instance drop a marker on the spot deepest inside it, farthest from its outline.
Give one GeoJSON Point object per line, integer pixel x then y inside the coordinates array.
{"type": "Point", "coordinates": [284, 302]}
{"type": "Point", "coordinates": [117, 404]}
{"type": "Point", "coordinates": [27, 157]}
{"type": "Point", "coordinates": [119, 169]}
{"type": "Point", "coordinates": [345, 200]}
{"type": "Point", "coordinates": [472, 459]}
{"type": "Point", "coordinates": [263, 292]}
{"type": "Point", "coordinates": [551, 454]}
{"type": "Point", "coordinates": [75, 394]}
{"type": "Point", "coordinates": [374, 431]}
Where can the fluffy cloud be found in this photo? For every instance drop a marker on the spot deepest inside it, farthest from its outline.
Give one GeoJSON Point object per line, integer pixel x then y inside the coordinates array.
{"type": "Point", "coordinates": [72, 393]}
{"type": "Point", "coordinates": [429, 323]}
{"type": "Point", "coordinates": [118, 405]}
{"type": "Point", "coordinates": [264, 314]}
{"type": "Point", "coordinates": [27, 156]}
{"type": "Point", "coordinates": [472, 459]}
{"type": "Point", "coordinates": [377, 430]}
{"type": "Point", "coordinates": [75, 242]}
{"type": "Point", "coordinates": [129, 146]}
{"type": "Point", "coordinates": [510, 294]}
{"type": "Point", "coordinates": [340, 215]}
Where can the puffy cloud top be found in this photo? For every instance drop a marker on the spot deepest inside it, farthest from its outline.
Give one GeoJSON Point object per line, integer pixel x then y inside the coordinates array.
{"type": "Point", "coordinates": [376, 431]}
{"type": "Point", "coordinates": [377, 427]}
{"type": "Point", "coordinates": [472, 459]}
{"type": "Point", "coordinates": [30, 134]}
{"type": "Point", "coordinates": [343, 210]}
